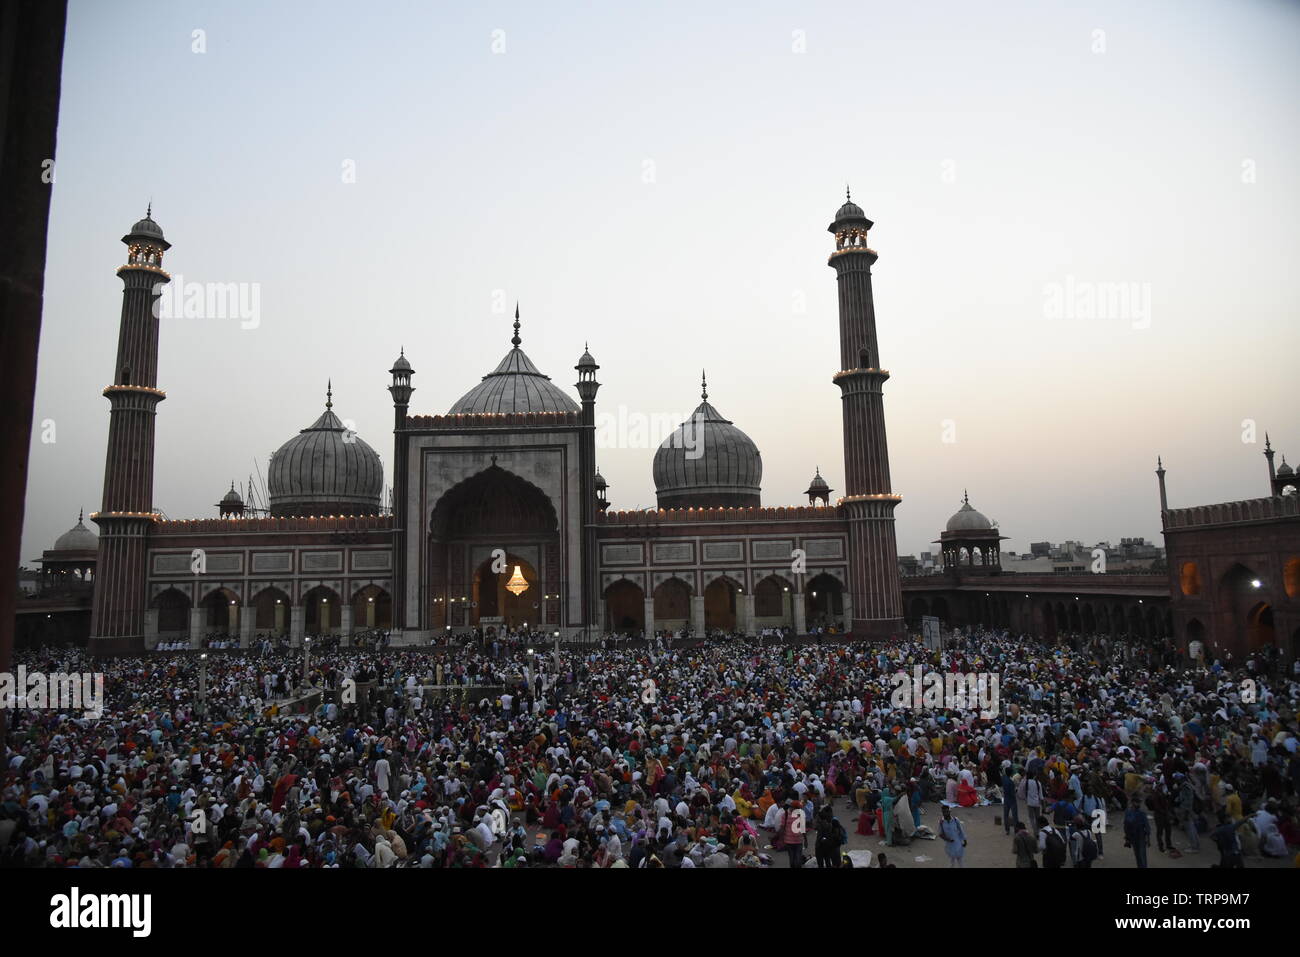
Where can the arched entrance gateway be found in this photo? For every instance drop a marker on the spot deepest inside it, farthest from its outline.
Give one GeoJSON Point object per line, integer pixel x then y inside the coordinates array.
{"type": "Point", "coordinates": [173, 609]}
{"type": "Point", "coordinates": [482, 531]}
{"type": "Point", "coordinates": [824, 597]}
{"type": "Point", "coordinates": [372, 607]}
{"type": "Point", "coordinates": [624, 607]}
{"type": "Point", "coordinates": [221, 611]}
{"type": "Point", "coordinates": [720, 601]}
{"type": "Point", "coordinates": [1247, 609]}
{"type": "Point", "coordinates": [271, 610]}
{"type": "Point", "coordinates": [509, 598]}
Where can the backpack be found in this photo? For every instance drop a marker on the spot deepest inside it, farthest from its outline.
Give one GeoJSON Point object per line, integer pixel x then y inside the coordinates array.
{"type": "Point", "coordinates": [1089, 850]}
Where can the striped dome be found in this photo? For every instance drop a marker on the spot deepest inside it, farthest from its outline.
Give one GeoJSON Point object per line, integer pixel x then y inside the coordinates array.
{"type": "Point", "coordinates": [325, 470]}
{"type": "Point", "coordinates": [515, 385]}
{"type": "Point", "coordinates": [707, 463]}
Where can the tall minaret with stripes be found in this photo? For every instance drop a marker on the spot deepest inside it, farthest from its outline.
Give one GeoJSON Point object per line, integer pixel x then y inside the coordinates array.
{"type": "Point", "coordinates": [127, 515]}
{"type": "Point", "coordinates": [868, 502]}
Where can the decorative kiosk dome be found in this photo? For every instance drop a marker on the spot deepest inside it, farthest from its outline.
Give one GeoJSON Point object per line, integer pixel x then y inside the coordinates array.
{"type": "Point", "coordinates": [818, 489]}
{"type": "Point", "coordinates": [966, 519]}
{"type": "Point", "coordinates": [516, 385]}
{"type": "Point", "coordinates": [325, 470]}
{"type": "Point", "coordinates": [231, 504]}
{"type": "Point", "coordinates": [78, 538]}
{"type": "Point", "coordinates": [971, 544]}
{"type": "Point", "coordinates": [707, 463]}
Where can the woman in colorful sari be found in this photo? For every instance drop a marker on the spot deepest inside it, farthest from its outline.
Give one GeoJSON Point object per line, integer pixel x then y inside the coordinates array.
{"type": "Point", "coordinates": [743, 806]}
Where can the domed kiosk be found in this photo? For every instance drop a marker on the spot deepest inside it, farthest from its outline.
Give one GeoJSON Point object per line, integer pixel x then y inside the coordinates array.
{"type": "Point", "coordinates": [71, 562]}
{"type": "Point", "coordinates": [971, 542]}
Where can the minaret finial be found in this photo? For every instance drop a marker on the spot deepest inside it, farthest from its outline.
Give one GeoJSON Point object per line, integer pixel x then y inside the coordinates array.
{"type": "Point", "coordinates": [848, 197]}
{"type": "Point", "coordinates": [329, 394]}
{"type": "Point", "coordinates": [148, 210]}
{"type": "Point", "coordinates": [81, 516]}
{"type": "Point", "coordinates": [1159, 464]}
{"type": "Point", "coordinates": [514, 340]}
{"type": "Point", "coordinates": [1267, 446]}
{"type": "Point", "coordinates": [403, 352]}
{"type": "Point", "coordinates": [704, 386]}
{"type": "Point", "coordinates": [965, 497]}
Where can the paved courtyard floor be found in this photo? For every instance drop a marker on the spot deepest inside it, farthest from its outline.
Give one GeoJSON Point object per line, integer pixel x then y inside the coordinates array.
{"type": "Point", "coordinates": [989, 846]}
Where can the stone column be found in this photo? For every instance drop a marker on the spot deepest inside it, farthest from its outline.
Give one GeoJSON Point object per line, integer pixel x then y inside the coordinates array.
{"type": "Point", "coordinates": [649, 617]}
{"type": "Point", "coordinates": [746, 612]}
{"type": "Point", "coordinates": [800, 619]}
{"type": "Point", "coordinates": [697, 615]}
{"type": "Point", "coordinates": [297, 625]}
{"type": "Point", "coordinates": [196, 627]}
{"type": "Point", "coordinates": [151, 627]}
{"type": "Point", "coordinates": [848, 610]}
{"type": "Point", "coordinates": [346, 623]}
{"type": "Point", "coordinates": [247, 618]}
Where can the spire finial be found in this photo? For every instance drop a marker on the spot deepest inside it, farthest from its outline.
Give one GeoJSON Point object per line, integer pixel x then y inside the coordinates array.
{"type": "Point", "coordinates": [403, 352]}
{"type": "Point", "coordinates": [965, 497]}
{"type": "Point", "coordinates": [329, 394]}
{"type": "Point", "coordinates": [1160, 466]}
{"type": "Point", "coordinates": [704, 386]}
{"type": "Point", "coordinates": [81, 515]}
{"type": "Point", "coordinates": [1267, 446]}
{"type": "Point", "coordinates": [848, 197]}
{"type": "Point", "coordinates": [514, 340]}
{"type": "Point", "coordinates": [148, 210]}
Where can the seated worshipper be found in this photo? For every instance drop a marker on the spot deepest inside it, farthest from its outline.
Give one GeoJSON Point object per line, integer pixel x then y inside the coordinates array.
{"type": "Point", "coordinates": [950, 788]}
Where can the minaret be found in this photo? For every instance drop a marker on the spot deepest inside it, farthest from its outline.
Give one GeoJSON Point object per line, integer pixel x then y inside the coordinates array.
{"type": "Point", "coordinates": [587, 387]}
{"type": "Point", "coordinates": [868, 502]}
{"type": "Point", "coordinates": [1164, 500]}
{"type": "Point", "coordinates": [127, 515]}
{"type": "Point", "coordinates": [400, 390]}
{"type": "Point", "coordinates": [1272, 473]}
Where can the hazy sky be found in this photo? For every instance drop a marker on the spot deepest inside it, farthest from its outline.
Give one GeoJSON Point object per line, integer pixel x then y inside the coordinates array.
{"type": "Point", "coordinates": [656, 180]}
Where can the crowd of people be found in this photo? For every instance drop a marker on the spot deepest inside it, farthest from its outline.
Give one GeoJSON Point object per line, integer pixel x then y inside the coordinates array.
{"type": "Point", "coordinates": [725, 753]}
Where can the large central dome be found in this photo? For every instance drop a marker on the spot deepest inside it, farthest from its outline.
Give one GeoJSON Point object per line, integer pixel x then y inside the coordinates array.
{"type": "Point", "coordinates": [325, 470]}
{"type": "Point", "coordinates": [515, 385]}
{"type": "Point", "coordinates": [707, 463]}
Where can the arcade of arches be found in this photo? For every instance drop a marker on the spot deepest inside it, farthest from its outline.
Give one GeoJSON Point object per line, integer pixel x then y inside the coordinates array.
{"type": "Point", "coordinates": [271, 612]}
{"type": "Point", "coordinates": [722, 606]}
{"type": "Point", "coordinates": [1046, 614]}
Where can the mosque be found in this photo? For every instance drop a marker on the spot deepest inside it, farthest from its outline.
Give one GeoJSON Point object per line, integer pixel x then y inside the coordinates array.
{"type": "Point", "coordinates": [499, 516]}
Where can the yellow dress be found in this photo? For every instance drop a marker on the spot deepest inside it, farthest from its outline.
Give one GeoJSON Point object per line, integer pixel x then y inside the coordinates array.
{"type": "Point", "coordinates": [1233, 806]}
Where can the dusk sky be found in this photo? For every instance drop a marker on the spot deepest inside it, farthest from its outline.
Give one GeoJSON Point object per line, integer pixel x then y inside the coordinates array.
{"type": "Point", "coordinates": [655, 181]}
